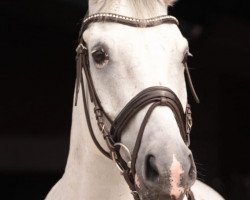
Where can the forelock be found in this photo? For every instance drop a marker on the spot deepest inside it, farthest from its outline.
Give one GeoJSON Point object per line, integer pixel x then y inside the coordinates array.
{"type": "Point", "coordinates": [141, 8]}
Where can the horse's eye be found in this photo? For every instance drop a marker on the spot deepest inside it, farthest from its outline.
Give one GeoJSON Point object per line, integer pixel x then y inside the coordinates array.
{"type": "Point", "coordinates": [100, 57]}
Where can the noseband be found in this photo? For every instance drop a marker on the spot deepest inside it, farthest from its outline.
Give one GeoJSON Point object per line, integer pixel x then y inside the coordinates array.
{"type": "Point", "coordinates": [154, 96]}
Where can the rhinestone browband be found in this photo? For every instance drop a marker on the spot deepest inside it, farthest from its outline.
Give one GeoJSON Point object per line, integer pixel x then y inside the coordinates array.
{"type": "Point", "coordinates": [110, 17]}
{"type": "Point", "coordinates": [104, 15]}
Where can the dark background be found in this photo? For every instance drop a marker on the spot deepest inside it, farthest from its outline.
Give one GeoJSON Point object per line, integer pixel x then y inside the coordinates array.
{"type": "Point", "coordinates": [37, 74]}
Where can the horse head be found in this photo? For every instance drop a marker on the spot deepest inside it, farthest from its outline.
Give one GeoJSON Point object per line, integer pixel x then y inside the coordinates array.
{"type": "Point", "coordinates": [140, 55]}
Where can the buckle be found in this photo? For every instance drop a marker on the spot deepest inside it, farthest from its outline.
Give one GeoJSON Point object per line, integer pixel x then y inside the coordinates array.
{"type": "Point", "coordinates": [114, 156]}
{"type": "Point", "coordinates": [189, 123]}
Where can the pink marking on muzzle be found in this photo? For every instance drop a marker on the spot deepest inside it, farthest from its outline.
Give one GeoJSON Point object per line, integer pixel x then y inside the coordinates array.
{"type": "Point", "coordinates": [175, 178]}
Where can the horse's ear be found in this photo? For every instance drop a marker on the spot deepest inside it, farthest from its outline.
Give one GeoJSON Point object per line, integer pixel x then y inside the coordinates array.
{"type": "Point", "coordinates": [95, 6]}
{"type": "Point", "coordinates": [169, 2]}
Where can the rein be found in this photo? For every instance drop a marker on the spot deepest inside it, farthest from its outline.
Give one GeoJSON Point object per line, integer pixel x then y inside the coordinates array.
{"type": "Point", "coordinates": [154, 96]}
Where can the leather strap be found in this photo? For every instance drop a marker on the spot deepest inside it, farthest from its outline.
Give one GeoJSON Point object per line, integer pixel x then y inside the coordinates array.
{"type": "Point", "coordinates": [144, 98]}
{"type": "Point", "coordinates": [81, 63]}
{"type": "Point", "coordinates": [139, 137]}
{"type": "Point", "coordinates": [190, 83]}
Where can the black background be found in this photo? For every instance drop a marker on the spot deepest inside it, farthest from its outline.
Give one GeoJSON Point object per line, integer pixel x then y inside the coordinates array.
{"type": "Point", "coordinates": [37, 74]}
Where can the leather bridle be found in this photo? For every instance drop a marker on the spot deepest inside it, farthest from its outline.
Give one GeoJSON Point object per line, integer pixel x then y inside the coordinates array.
{"type": "Point", "coordinates": [154, 96]}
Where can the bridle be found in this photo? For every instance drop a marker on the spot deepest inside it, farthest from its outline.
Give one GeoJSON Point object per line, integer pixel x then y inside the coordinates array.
{"type": "Point", "coordinates": [154, 96]}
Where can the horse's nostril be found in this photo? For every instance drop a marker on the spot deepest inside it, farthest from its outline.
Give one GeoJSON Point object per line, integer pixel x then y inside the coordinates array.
{"type": "Point", "coordinates": [151, 172]}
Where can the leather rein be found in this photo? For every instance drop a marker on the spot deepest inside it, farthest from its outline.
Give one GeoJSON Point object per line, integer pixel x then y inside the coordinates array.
{"type": "Point", "coordinates": [154, 96]}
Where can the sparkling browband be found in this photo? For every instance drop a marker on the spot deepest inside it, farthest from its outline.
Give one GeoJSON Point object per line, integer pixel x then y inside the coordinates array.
{"type": "Point", "coordinates": [104, 15]}
{"type": "Point", "coordinates": [110, 17]}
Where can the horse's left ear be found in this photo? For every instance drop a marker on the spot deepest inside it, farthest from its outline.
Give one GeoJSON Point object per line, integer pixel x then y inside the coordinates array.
{"type": "Point", "coordinates": [169, 2]}
{"type": "Point", "coordinates": [95, 6]}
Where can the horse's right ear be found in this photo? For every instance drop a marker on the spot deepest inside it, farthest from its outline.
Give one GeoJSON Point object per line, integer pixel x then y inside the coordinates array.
{"type": "Point", "coordinates": [95, 6]}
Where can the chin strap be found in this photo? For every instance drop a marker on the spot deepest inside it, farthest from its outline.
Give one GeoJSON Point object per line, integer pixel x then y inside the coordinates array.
{"type": "Point", "coordinates": [189, 79]}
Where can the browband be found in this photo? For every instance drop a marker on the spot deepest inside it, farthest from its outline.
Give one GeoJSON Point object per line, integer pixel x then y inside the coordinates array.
{"type": "Point", "coordinates": [129, 21]}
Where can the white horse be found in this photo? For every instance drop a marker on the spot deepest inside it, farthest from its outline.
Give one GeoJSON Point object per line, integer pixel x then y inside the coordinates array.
{"type": "Point", "coordinates": [123, 61]}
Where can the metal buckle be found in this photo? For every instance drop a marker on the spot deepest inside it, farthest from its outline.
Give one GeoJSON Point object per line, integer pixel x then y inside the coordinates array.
{"type": "Point", "coordinates": [114, 156]}
{"type": "Point", "coordinates": [134, 193]}
{"type": "Point", "coordinates": [189, 123]}
{"type": "Point", "coordinates": [103, 129]}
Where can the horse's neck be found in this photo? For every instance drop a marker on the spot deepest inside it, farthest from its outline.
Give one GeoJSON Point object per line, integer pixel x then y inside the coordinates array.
{"type": "Point", "coordinates": [93, 175]}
